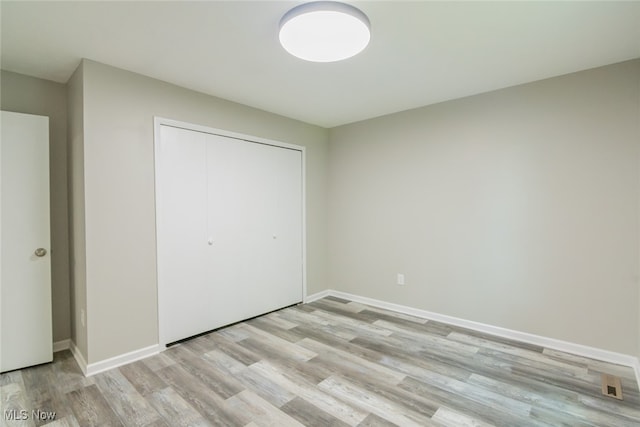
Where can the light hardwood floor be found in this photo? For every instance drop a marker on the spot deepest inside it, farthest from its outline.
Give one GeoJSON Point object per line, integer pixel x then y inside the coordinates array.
{"type": "Point", "coordinates": [330, 363]}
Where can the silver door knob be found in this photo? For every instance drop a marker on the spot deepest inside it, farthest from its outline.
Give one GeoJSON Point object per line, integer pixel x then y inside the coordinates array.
{"type": "Point", "coordinates": [41, 252]}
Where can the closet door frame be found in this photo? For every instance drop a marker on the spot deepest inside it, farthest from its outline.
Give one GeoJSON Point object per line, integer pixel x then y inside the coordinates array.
{"type": "Point", "coordinates": [161, 121]}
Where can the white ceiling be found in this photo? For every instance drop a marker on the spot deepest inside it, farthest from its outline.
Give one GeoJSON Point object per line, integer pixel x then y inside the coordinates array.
{"type": "Point", "coordinates": [420, 52]}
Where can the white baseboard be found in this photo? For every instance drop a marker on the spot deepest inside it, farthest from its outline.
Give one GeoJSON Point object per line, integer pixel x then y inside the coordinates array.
{"type": "Point", "coordinates": [550, 343]}
{"type": "Point", "coordinates": [316, 296]}
{"type": "Point", "coordinates": [122, 359]}
{"type": "Point", "coordinates": [75, 351]}
{"type": "Point", "coordinates": [61, 345]}
{"type": "Point", "coordinates": [113, 362]}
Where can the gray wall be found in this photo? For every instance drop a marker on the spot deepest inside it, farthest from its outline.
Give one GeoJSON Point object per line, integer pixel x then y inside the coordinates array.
{"type": "Point", "coordinates": [30, 95]}
{"type": "Point", "coordinates": [118, 110]}
{"type": "Point", "coordinates": [517, 208]}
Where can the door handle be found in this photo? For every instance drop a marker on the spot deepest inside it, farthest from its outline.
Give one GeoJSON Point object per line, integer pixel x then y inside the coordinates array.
{"type": "Point", "coordinates": [40, 252]}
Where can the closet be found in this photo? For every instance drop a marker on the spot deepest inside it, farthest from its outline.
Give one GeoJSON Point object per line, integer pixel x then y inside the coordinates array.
{"type": "Point", "coordinates": [229, 214]}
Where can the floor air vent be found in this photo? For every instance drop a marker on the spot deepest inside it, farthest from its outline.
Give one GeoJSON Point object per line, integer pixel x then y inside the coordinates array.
{"type": "Point", "coordinates": [611, 386]}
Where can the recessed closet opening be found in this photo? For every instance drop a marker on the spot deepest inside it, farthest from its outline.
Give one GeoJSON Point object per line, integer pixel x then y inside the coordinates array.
{"type": "Point", "coordinates": [229, 227]}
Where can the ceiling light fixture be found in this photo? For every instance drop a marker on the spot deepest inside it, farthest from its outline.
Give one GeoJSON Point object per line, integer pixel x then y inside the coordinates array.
{"type": "Point", "coordinates": [324, 31]}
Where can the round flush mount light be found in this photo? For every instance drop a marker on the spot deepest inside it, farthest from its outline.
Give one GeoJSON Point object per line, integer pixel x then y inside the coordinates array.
{"type": "Point", "coordinates": [324, 31]}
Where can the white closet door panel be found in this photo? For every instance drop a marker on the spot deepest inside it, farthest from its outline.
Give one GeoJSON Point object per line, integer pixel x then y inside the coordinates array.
{"type": "Point", "coordinates": [283, 257]}
{"type": "Point", "coordinates": [182, 228]}
{"type": "Point", "coordinates": [255, 205]}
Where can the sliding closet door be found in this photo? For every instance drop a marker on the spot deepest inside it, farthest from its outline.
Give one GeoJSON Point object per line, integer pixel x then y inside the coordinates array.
{"type": "Point", "coordinates": [229, 230]}
{"type": "Point", "coordinates": [255, 212]}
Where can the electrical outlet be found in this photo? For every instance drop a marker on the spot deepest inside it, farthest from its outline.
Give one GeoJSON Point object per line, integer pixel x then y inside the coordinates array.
{"type": "Point", "coordinates": [400, 279]}
{"type": "Point", "coordinates": [82, 318]}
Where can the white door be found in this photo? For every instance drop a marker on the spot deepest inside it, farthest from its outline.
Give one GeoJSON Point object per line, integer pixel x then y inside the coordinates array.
{"type": "Point", "coordinates": [230, 232]}
{"type": "Point", "coordinates": [25, 267]}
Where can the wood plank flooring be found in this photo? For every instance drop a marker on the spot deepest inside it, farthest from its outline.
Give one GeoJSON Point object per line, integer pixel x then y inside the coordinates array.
{"type": "Point", "coordinates": [328, 363]}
